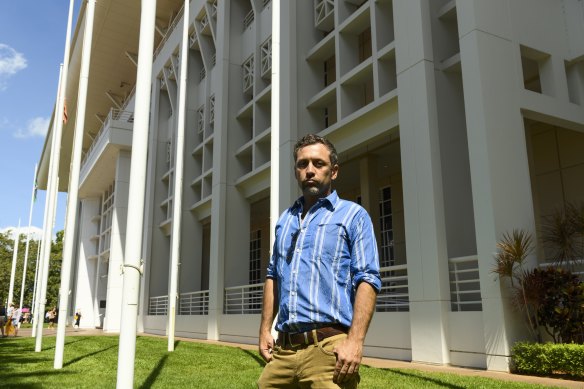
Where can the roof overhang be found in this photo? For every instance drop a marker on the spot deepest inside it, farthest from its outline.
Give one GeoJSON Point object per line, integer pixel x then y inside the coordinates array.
{"type": "Point", "coordinates": [112, 73]}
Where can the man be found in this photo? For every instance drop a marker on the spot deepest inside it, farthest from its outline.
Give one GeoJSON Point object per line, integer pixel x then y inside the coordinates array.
{"type": "Point", "coordinates": [322, 281]}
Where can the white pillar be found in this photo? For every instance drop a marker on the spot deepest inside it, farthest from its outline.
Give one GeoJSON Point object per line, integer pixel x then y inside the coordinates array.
{"type": "Point", "coordinates": [499, 167]}
{"type": "Point", "coordinates": [178, 180]}
{"type": "Point", "coordinates": [14, 259]}
{"type": "Point", "coordinates": [132, 257]}
{"type": "Point", "coordinates": [32, 199]}
{"type": "Point", "coordinates": [34, 291]}
{"type": "Point", "coordinates": [51, 203]}
{"type": "Point", "coordinates": [115, 280]}
{"type": "Point", "coordinates": [427, 257]}
{"type": "Point", "coordinates": [72, 206]}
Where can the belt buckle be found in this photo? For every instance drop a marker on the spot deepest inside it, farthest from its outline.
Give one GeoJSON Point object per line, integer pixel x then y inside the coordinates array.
{"type": "Point", "coordinates": [292, 345]}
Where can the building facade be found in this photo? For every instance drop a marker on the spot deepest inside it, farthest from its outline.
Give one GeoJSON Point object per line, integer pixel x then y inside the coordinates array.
{"type": "Point", "coordinates": [455, 122]}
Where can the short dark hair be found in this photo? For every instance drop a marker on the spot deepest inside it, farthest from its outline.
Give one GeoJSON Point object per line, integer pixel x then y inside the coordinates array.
{"type": "Point", "coordinates": [312, 139]}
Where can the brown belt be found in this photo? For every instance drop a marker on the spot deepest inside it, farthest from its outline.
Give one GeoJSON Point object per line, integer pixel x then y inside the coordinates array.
{"type": "Point", "coordinates": [298, 339]}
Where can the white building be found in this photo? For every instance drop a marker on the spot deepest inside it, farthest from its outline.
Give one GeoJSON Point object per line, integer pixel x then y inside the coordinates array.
{"type": "Point", "coordinates": [455, 121]}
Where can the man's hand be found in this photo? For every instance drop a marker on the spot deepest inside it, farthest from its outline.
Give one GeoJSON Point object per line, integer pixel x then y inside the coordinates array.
{"type": "Point", "coordinates": [266, 346]}
{"type": "Point", "coordinates": [349, 353]}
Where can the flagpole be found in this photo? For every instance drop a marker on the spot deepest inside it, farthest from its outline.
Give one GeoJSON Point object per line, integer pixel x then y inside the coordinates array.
{"type": "Point", "coordinates": [14, 260]}
{"type": "Point", "coordinates": [135, 222]}
{"type": "Point", "coordinates": [178, 180]}
{"type": "Point", "coordinates": [32, 199]}
{"type": "Point", "coordinates": [73, 192]}
{"type": "Point", "coordinates": [34, 290]}
{"type": "Point", "coordinates": [53, 174]}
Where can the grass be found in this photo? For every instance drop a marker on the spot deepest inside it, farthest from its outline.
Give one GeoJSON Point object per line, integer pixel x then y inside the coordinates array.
{"type": "Point", "coordinates": [91, 362]}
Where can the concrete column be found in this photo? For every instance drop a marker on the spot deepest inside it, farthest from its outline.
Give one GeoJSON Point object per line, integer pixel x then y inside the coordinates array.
{"type": "Point", "coordinates": [219, 196]}
{"type": "Point", "coordinates": [427, 258]}
{"type": "Point", "coordinates": [86, 265]}
{"type": "Point", "coordinates": [117, 243]}
{"type": "Point", "coordinates": [498, 159]}
{"type": "Point", "coordinates": [369, 189]}
{"type": "Point", "coordinates": [287, 191]}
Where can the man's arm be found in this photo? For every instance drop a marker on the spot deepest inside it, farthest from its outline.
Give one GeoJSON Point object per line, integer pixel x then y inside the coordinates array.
{"type": "Point", "coordinates": [350, 352]}
{"type": "Point", "coordinates": [269, 311]}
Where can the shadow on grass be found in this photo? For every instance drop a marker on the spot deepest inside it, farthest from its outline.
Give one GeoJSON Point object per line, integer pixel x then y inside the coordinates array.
{"type": "Point", "coordinates": [10, 346]}
{"type": "Point", "coordinates": [255, 356]}
{"type": "Point", "coordinates": [435, 381]}
{"type": "Point", "coordinates": [176, 343]}
{"type": "Point", "coordinates": [155, 373]}
{"type": "Point", "coordinates": [74, 360]}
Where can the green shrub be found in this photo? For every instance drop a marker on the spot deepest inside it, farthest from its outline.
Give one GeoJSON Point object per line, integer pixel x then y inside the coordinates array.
{"type": "Point", "coordinates": [548, 359]}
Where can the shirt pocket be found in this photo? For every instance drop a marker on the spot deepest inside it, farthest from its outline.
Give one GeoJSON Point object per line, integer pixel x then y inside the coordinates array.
{"type": "Point", "coordinates": [332, 242]}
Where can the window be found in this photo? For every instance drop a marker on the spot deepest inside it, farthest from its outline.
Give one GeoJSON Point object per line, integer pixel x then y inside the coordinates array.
{"type": "Point", "coordinates": [330, 71]}
{"type": "Point", "coordinates": [386, 256]}
{"type": "Point", "coordinates": [255, 253]}
{"type": "Point", "coordinates": [365, 45]}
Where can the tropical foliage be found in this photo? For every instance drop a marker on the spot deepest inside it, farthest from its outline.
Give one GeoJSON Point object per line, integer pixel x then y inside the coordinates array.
{"type": "Point", "coordinates": [551, 299]}
{"type": "Point", "coordinates": [6, 251]}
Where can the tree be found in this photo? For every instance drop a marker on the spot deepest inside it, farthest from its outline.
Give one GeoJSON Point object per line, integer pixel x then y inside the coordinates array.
{"type": "Point", "coordinates": [6, 250]}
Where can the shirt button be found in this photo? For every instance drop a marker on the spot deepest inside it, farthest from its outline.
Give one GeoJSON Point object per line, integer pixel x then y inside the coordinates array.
{"type": "Point", "coordinates": [297, 250]}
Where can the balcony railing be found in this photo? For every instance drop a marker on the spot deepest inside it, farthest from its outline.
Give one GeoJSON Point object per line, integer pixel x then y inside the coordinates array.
{"type": "Point", "coordinates": [194, 303]}
{"type": "Point", "coordinates": [113, 115]}
{"type": "Point", "coordinates": [245, 299]}
{"type": "Point", "coordinates": [465, 285]}
{"type": "Point", "coordinates": [248, 19]}
{"type": "Point", "coordinates": [394, 294]}
{"type": "Point", "coordinates": [158, 306]}
{"type": "Point", "coordinates": [169, 31]}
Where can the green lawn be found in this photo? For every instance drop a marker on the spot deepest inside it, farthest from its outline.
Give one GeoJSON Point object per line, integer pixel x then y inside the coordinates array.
{"type": "Point", "coordinates": [91, 362]}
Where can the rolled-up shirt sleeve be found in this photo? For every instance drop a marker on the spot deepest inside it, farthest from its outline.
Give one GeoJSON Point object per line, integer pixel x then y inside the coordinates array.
{"type": "Point", "coordinates": [364, 254]}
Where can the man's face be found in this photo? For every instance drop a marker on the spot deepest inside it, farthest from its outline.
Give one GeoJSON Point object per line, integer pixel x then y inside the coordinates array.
{"type": "Point", "coordinates": [313, 170]}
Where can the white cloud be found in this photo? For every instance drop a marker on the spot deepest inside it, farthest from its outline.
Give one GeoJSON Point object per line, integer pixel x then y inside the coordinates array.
{"type": "Point", "coordinates": [34, 127]}
{"type": "Point", "coordinates": [11, 62]}
{"type": "Point", "coordinates": [36, 233]}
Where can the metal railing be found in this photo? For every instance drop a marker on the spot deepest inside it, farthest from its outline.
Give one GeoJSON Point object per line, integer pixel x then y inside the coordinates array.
{"type": "Point", "coordinates": [113, 115]}
{"type": "Point", "coordinates": [194, 303]}
{"type": "Point", "coordinates": [322, 10]}
{"type": "Point", "coordinates": [169, 31]}
{"type": "Point", "coordinates": [465, 285]}
{"type": "Point", "coordinates": [245, 299]}
{"type": "Point", "coordinates": [394, 294]}
{"type": "Point", "coordinates": [158, 306]}
{"type": "Point", "coordinates": [575, 267]}
{"type": "Point", "coordinates": [248, 19]}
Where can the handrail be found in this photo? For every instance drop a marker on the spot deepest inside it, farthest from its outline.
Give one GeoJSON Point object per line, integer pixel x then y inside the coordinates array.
{"type": "Point", "coordinates": [465, 284]}
{"type": "Point", "coordinates": [243, 299]}
{"type": "Point", "coordinates": [113, 114]}
{"type": "Point", "coordinates": [158, 306]}
{"type": "Point", "coordinates": [171, 28]}
{"type": "Point", "coordinates": [394, 293]}
{"type": "Point", "coordinates": [194, 303]}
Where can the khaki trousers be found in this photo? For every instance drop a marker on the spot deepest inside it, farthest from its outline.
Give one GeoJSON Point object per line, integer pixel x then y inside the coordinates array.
{"type": "Point", "coordinates": [310, 366]}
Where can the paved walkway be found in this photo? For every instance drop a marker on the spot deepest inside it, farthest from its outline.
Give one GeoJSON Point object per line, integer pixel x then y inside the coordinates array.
{"type": "Point", "coordinates": [374, 362]}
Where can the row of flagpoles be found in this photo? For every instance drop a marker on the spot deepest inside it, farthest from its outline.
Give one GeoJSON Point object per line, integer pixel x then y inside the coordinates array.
{"type": "Point", "coordinates": [137, 185]}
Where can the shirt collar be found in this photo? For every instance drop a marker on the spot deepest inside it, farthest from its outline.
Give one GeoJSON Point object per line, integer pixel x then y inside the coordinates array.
{"type": "Point", "coordinates": [330, 201]}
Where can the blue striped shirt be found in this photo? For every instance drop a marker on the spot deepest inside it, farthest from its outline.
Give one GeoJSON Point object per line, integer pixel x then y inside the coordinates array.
{"type": "Point", "coordinates": [318, 262]}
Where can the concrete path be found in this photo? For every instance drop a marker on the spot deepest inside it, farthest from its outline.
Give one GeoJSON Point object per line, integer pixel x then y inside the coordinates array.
{"type": "Point", "coordinates": [374, 362]}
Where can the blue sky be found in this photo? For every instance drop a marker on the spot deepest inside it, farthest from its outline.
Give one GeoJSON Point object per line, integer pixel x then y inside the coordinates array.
{"type": "Point", "coordinates": [32, 41]}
